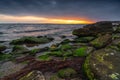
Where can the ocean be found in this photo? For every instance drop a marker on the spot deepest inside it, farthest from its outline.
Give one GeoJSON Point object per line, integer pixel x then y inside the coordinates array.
{"type": "Point", "coordinates": [9, 32]}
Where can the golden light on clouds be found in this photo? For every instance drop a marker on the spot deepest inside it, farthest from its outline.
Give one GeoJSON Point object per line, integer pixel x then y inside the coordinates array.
{"type": "Point", "coordinates": [34, 19]}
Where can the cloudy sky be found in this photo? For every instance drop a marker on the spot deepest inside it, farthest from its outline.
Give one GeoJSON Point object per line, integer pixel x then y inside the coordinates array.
{"type": "Point", "coordinates": [59, 11]}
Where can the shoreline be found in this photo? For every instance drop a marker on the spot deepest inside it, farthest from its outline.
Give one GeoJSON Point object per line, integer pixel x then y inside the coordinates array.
{"type": "Point", "coordinates": [94, 46]}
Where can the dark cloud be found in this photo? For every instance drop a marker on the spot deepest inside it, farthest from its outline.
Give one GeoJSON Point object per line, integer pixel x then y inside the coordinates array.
{"type": "Point", "coordinates": [93, 9]}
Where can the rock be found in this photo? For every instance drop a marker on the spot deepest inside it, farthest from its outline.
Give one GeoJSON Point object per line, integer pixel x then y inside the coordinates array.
{"type": "Point", "coordinates": [65, 47]}
{"type": "Point", "coordinates": [84, 39]}
{"type": "Point", "coordinates": [94, 29]}
{"type": "Point", "coordinates": [19, 49]}
{"type": "Point", "coordinates": [65, 41]}
{"type": "Point", "coordinates": [44, 57]}
{"type": "Point", "coordinates": [80, 52]}
{"type": "Point", "coordinates": [31, 40]}
{"type": "Point", "coordinates": [117, 29]}
{"type": "Point", "coordinates": [83, 51]}
{"type": "Point", "coordinates": [55, 53]}
{"type": "Point", "coordinates": [2, 48]}
{"type": "Point", "coordinates": [101, 41]}
{"type": "Point", "coordinates": [31, 45]}
{"type": "Point", "coordinates": [55, 77]}
{"type": "Point", "coordinates": [63, 36]}
{"type": "Point", "coordinates": [4, 57]}
{"type": "Point", "coordinates": [67, 73]}
{"type": "Point", "coordinates": [9, 67]}
{"type": "Point", "coordinates": [33, 75]}
{"type": "Point", "coordinates": [103, 64]}
{"type": "Point", "coordinates": [53, 47]}
{"type": "Point", "coordinates": [33, 52]}
{"type": "Point", "coordinates": [45, 66]}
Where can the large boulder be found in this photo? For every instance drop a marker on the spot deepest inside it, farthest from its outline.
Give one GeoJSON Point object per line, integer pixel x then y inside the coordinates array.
{"type": "Point", "coordinates": [103, 64]}
{"type": "Point", "coordinates": [94, 29]}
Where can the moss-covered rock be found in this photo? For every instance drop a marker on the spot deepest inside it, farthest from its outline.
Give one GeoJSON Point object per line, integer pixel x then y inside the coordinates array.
{"type": "Point", "coordinates": [67, 73]}
{"type": "Point", "coordinates": [65, 41]}
{"type": "Point", "coordinates": [68, 53]}
{"type": "Point", "coordinates": [19, 49]}
{"type": "Point", "coordinates": [53, 47]}
{"type": "Point", "coordinates": [2, 48]}
{"type": "Point", "coordinates": [103, 65]}
{"type": "Point", "coordinates": [117, 29]}
{"type": "Point", "coordinates": [5, 56]}
{"type": "Point", "coordinates": [44, 57]}
{"type": "Point", "coordinates": [55, 53]}
{"type": "Point", "coordinates": [55, 77]}
{"type": "Point", "coordinates": [65, 47]}
{"type": "Point", "coordinates": [31, 40]}
{"type": "Point", "coordinates": [80, 52]}
{"type": "Point", "coordinates": [84, 39]}
{"type": "Point", "coordinates": [101, 41]}
{"type": "Point", "coordinates": [33, 51]}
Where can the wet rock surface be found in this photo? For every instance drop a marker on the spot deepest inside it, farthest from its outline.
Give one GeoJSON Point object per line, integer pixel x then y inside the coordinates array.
{"type": "Point", "coordinates": [103, 63]}
{"type": "Point", "coordinates": [32, 40]}
{"type": "Point", "coordinates": [94, 29]}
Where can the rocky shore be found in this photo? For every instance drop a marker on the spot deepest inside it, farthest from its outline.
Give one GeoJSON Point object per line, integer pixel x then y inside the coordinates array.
{"type": "Point", "coordinates": [93, 55]}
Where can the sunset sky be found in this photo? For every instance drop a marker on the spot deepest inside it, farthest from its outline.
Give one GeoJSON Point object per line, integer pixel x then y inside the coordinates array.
{"type": "Point", "coordinates": [58, 11]}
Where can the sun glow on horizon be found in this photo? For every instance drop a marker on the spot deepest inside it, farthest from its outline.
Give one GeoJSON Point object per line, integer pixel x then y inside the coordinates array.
{"type": "Point", "coordinates": [35, 19]}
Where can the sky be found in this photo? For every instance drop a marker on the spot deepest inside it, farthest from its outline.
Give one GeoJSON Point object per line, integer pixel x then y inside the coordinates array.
{"type": "Point", "coordinates": [59, 11]}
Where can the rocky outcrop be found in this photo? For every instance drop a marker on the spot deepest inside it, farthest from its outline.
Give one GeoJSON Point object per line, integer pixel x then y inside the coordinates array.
{"type": "Point", "coordinates": [94, 29]}
{"type": "Point", "coordinates": [103, 63]}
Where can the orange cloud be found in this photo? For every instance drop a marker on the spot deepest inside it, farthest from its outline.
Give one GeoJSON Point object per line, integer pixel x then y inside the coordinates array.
{"type": "Point", "coordinates": [35, 19]}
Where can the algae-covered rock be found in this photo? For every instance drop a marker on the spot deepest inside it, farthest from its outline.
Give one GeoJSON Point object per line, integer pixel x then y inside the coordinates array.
{"type": "Point", "coordinates": [84, 39]}
{"type": "Point", "coordinates": [83, 51]}
{"type": "Point", "coordinates": [5, 56]}
{"type": "Point", "coordinates": [2, 48]}
{"type": "Point", "coordinates": [33, 51]}
{"type": "Point", "coordinates": [103, 65]}
{"type": "Point", "coordinates": [117, 29]}
{"type": "Point", "coordinates": [32, 40]}
{"type": "Point", "coordinates": [65, 47]}
{"type": "Point", "coordinates": [55, 77]}
{"type": "Point", "coordinates": [44, 57]}
{"type": "Point", "coordinates": [53, 47]}
{"type": "Point", "coordinates": [19, 49]}
{"type": "Point", "coordinates": [80, 52]}
{"type": "Point", "coordinates": [101, 41]}
{"type": "Point", "coordinates": [65, 41]}
{"type": "Point", "coordinates": [33, 75]}
{"type": "Point", "coordinates": [55, 53]}
{"type": "Point", "coordinates": [67, 73]}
